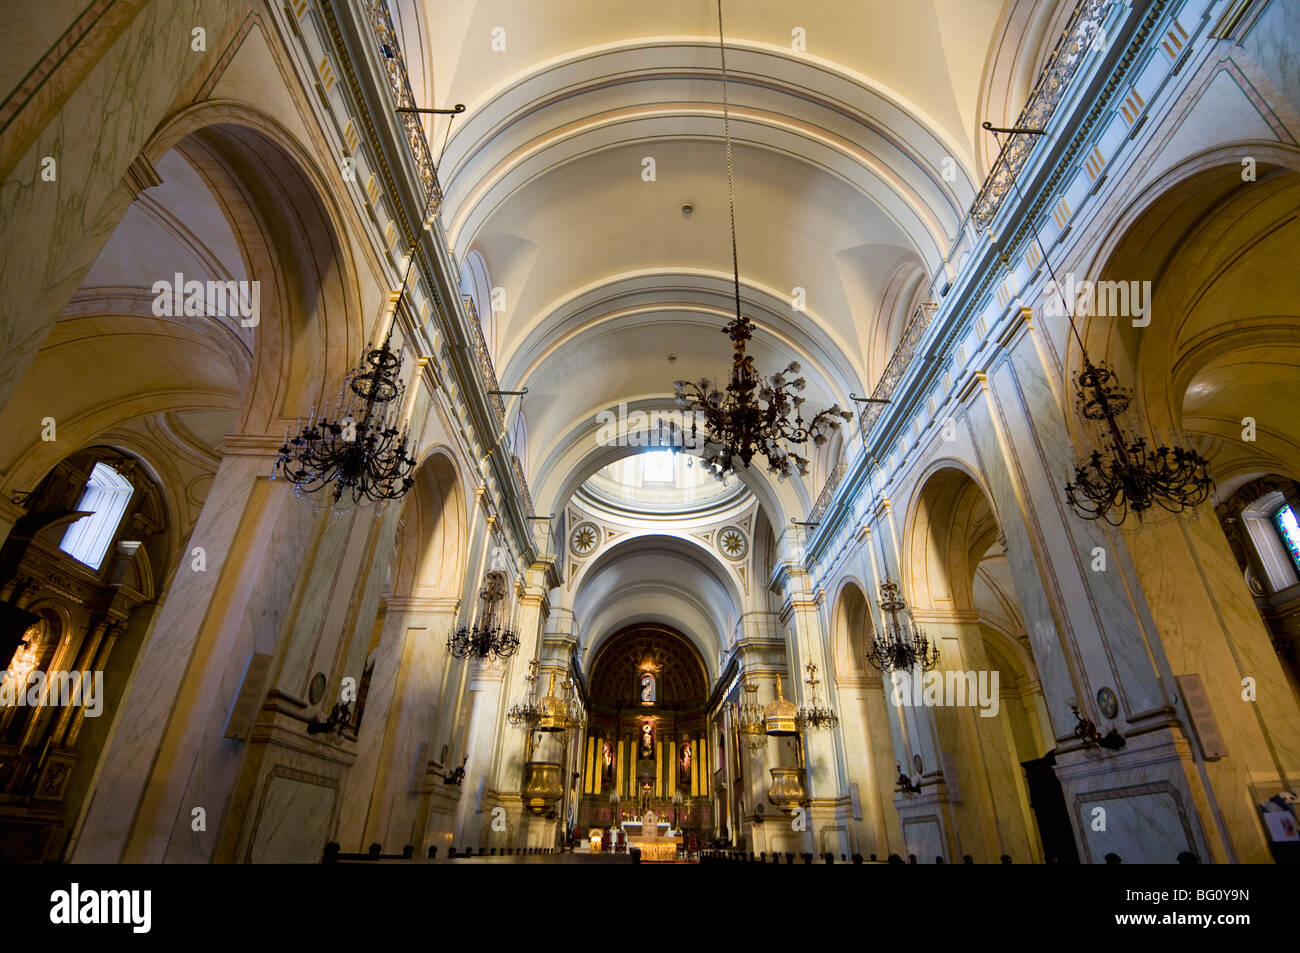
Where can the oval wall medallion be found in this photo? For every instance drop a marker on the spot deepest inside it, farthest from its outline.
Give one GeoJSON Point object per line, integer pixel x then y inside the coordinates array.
{"type": "Point", "coordinates": [1107, 703]}
{"type": "Point", "coordinates": [317, 689]}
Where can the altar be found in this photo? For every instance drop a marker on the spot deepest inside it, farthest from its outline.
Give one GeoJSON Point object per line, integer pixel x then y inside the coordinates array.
{"type": "Point", "coordinates": [652, 838]}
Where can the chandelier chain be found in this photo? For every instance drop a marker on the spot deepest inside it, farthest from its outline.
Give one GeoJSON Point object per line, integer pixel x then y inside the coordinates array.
{"type": "Point", "coordinates": [731, 182]}
{"type": "Point", "coordinates": [1128, 477]}
{"type": "Point", "coordinates": [1047, 261]}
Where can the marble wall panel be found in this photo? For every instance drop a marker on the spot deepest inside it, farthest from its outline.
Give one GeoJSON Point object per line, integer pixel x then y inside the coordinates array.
{"type": "Point", "coordinates": [292, 822]}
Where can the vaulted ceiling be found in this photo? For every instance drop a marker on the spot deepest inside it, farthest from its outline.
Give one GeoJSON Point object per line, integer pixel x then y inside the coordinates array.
{"type": "Point", "coordinates": [586, 196]}
{"type": "Point", "coordinates": [857, 153]}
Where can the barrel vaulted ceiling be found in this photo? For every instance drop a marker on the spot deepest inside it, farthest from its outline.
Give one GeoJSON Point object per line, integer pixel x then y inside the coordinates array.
{"type": "Point", "coordinates": [856, 158]}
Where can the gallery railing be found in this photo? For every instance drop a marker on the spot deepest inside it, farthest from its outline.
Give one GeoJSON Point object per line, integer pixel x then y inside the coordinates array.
{"type": "Point", "coordinates": [1075, 41]}
{"type": "Point", "coordinates": [898, 363]}
{"type": "Point", "coordinates": [382, 24]}
{"type": "Point", "coordinates": [484, 358]}
{"type": "Point", "coordinates": [1079, 35]}
{"type": "Point", "coordinates": [828, 491]}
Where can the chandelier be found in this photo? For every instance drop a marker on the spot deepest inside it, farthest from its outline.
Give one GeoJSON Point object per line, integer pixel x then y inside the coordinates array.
{"type": "Point", "coordinates": [525, 713]}
{"type": "Point", "coordinates": [752, 414]}
{"type": "Point", "coordinates": [486, 638]}
{"type": "Point", "coordinates": [901, 647]}
{"type": "Point", "coordinates": [355, 450]}
{"type": "Point", "coordinates": [814, 715]}
{"type": "Point", "coordinates": [749, 718]}
{"type": "Point", "coordinates": [1126, 475]}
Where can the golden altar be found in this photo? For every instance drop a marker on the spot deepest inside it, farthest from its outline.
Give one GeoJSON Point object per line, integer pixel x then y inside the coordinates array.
{"type": "Point", "coordinates": [652, 838]}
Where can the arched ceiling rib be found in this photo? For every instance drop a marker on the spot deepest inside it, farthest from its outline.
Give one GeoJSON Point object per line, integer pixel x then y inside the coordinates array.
{"type": "Point", "coordinates": [929, 54]}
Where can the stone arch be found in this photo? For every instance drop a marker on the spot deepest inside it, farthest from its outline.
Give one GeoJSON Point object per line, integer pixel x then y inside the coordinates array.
{"type": "Point", "coordinates": [853, 629]}
{"type": "Point", "coordinates": [1225, 330]}
{"type": "Point", "coordinates": [417, 691]}
{"type": "Point", "coordinates": [961, 594]}
{"type": "Point", "coordinates": [239, 200]}
{"type": "Point", "coordinates": [431, 533]}
{"type": "Point", "coordinates": [938, 567]}
{"type": "Point", "coordinates": [292, 231]}
{"type": "Point", "coordinates": [604, 602]}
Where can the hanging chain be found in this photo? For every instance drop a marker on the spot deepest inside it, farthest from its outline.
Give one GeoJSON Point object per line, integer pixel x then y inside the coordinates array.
{"type": "Point", "coordinates": [731, 183]}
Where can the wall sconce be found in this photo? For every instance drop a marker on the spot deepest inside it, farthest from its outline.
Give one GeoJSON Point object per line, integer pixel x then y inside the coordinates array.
{"type": "Point", "coordinates": [1086, 731]}
{"type": "Point", "coordinates": [905, 785]}
{"type": "Point", "coordinates": [339, 723]}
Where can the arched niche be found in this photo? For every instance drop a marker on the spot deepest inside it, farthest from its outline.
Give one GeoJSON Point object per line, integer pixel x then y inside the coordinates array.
{"type": "Point", "coordinates": [431, 549]}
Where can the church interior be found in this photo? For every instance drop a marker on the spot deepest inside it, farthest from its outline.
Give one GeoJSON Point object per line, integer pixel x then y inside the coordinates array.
{"type": "Point", "coordinates": [689, 431]}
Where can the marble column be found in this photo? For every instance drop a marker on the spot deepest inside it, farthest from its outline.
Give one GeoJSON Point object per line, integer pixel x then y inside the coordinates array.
{"type": "Point", "coordinates": [506, 780]}
{"type": "Point", "coordinates": [473, 817]}
{"type": "Point", "coordinates": [826, 826]}
{"type": "Point", "coordinates": [1169, 601]}
{"type": "Point", "coordinates": [222, 606]}
{"type": "Point", "coordinates": [381, 801]}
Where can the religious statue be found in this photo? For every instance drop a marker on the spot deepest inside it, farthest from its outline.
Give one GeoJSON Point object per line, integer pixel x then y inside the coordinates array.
{"type": "Point", "coordinates": [647, 740]}
{"type": "Point", "coordinates": [647, 688]}
{"type": "Point", "coordinates": [607, 763]}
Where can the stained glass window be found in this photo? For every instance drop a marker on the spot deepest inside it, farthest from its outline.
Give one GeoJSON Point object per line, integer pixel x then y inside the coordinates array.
{"type": "Point", "coordinates": [1286, 525]}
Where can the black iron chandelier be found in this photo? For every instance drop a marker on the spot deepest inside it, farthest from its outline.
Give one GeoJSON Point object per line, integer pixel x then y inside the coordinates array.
{"type": "Point", "coordinates": [486, 638]}
{"type": "Point", "coordinates": [752, 414]}
{"type": "Point", "coordinates": [815, 715]}
{"type": "Point", "coordinates": [355, 449]}
{"type": "Point", "coordinates": [1124, 475]}
{"type": "Point", "coordinates": [525, 714]}
{"type": "Point", "coordinates": [901, 646]}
